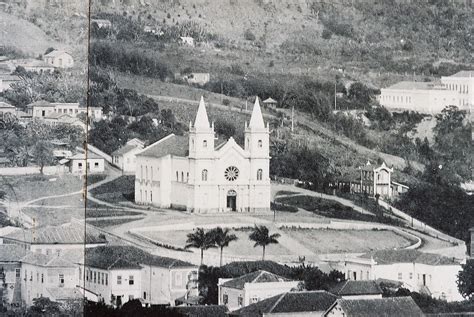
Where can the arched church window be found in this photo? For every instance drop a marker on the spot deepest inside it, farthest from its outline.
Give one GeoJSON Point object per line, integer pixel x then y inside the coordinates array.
{"type": "Point", "coordinates": [192, 143]}
{"type": "Point", "coordinates": [182, 177]}
{"type": "Point", "coordinates": [259, 174]}
{"type": "Point", "coordinates": [204, 175]}
{"type": "Point", "coordinates": [177, 176]}
{"type": "Point", "coordinates": [204, 143]}
{"type": "Point", "coordinates": [187, 177]}
{"type": "Point", "coordinates": [260, 143]}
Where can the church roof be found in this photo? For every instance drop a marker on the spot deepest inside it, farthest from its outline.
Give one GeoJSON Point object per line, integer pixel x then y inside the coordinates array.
{"type": "Point", "coordinates": [172, 144]}
{"type": "Point", "coordinates": [256, 120]}
{"type": "Point", "coordinates": [202, 120]}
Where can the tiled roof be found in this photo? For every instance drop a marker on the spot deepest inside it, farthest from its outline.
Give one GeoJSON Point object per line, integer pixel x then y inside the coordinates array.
{"type": "Point", "coordinates": [63, 234]}
{"type": "Point", "coordinates": [82, 156]}
{"type": "Point", "coordinates": [464, 73]}
{"type": "Point", "coordinates": [254, 277]}
{"type": "Point", "coordinates": [11, 252]}
{"type": "Point", "coordinates": [61, 293]}
{"type": "Point", "coordinates": [202, 310]}
{"type": "Point", "coordinates": [56, 53]}
{"type": "Point", "coordinates": [416, 85]}
{"type": "Point", "coordinates": [409, 256]}
{"type": "Point", "coordinates": [381, 307]}
{"type": "Point", "coordinates": [352, 287]}
{"type": "Point", "coordinates": [170, 145]}
{"type": "Point", "coordinates": [269, 100]}
{"type": "Point", "coordinates": [41, 103]}
{"type": "Point", "coordinates": [127, 257]}
{"type": "Point", "coordinates": [125, 149]}
{"type": "Point", "coordinates": [290, 302]}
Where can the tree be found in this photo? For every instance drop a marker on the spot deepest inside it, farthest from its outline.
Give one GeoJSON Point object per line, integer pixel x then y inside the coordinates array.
{"type": "Point", "coordinates": [466, 279]}
{"type": "Point", "coordinates": [43, 306]}
{"type": "Point", "coordinates": [200, 239]}
{"type": "Point", "coordinates": [222, 238]}
{"type": "Point", "coordinates": [261, 236]}
{"type": "Point", "coordinates": [43, 154]}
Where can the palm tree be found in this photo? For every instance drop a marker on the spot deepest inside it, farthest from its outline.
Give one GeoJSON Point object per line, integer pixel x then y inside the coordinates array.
{"type": "Point", "coordinates": [200, 239]}
{"type": "Point", "coordinates": [222, 238]}
{"type": "Point", "coordinates": [262, 238]}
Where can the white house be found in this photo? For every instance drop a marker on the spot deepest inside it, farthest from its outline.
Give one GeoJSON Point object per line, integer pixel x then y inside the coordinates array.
{"type": "Point", "coordinates": [102, 23]}
{"type": "Point", "coordinates": [6, 81]}
{"type": "Point", "coordinates": [125, 158]}
{"type": "Point", "coordinates": [252, 288]}
{"type": "Point", "coordinates": [79, 164]}
{"type": "Point", "coordinates": [187, 40]}
{"type": "Point", "coordinates": [191, 173]}
{"type": "Point", "coordinates": [423, 97]}
{"type": "Point", "coordinates": [6, 108]}
{"type": "Point", "coordinates": [34, 65]}
{"type": "Point", "coordinates": [41, 109]}
{"type": "Point", "coordinates": [462, 84]}
{"type": "Point", "coordinates": [427, 273]}
{"type": "Point", "coordinates": [59, 59]}
{"type": "Point", "coordinates": [197, 78]}
{"type": "Point", "coordinates": [118, 274]}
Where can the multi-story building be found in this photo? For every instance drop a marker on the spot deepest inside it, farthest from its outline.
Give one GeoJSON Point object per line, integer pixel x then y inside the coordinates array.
{"type": "Point", "coordinates": [252, 288]}
{"type": "Point", "coordinates": [10, 271]}
{"type": "Point", "coordinates": [419, 272]}
{"type": "Point", "coordinates": [49, 276]}
{"type": "Point", "coordinates": [462, 84]}
{"type": "Point", "coordinates": [117, 274]}
{"type": "Point", "coordinates": [423, 97]}
{"type": "Point", "coordinates": [191, 173]}
{"type": "Point", "coordinates": [41, 109]}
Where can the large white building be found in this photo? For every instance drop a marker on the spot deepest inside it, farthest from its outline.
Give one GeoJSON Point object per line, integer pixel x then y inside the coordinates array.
{"type": "Point", "coordinates": [193, 174]}
{"type": "Point", "coordinates": [462, 83]}
{"type": "Point", "coordinates": [423, 97]}
{"type": "Point", "coordinates": [427, 273]}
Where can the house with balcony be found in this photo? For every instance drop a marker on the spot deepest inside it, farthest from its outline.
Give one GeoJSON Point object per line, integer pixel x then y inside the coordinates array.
{"type": "Point", "coordinates": [251, 288]}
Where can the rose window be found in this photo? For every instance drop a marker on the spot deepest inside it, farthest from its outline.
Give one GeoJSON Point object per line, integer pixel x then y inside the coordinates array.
{"type": "Point", "coordinates": [231, 173]}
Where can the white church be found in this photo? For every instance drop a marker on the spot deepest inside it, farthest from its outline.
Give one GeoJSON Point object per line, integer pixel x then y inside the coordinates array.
{"type": "Point", "coordinates": [192, 173]}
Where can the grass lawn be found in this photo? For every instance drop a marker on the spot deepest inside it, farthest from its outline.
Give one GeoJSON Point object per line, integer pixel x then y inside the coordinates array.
{"type": "Point", "coordinates": [354, 241]}
{"type": "Point", "coordinates": [25, 188]}
{"type": "Point", "coordinates": [120, 189]}
{"type": "Point", "coordinates": [331, 209]}
{"type": "Point", "coordinates": [72, 201]}
{"type": "Point", "coordinates": [243, 246]}
{"type": "Point", "coordinates": [110, 222]}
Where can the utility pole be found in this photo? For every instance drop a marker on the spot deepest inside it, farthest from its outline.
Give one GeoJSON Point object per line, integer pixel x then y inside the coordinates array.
{"type": "Point", "coordinates": [335, 95]}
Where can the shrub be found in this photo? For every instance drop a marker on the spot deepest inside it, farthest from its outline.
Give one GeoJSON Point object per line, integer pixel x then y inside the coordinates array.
{"type": "Point", "coordinates": [248, 35]}
{"type": "Point", "coordinates": [326, 34]}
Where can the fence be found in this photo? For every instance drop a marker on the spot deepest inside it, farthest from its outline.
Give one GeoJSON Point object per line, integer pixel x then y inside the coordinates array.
{"type": "Point", "coordinates": [31, 170]}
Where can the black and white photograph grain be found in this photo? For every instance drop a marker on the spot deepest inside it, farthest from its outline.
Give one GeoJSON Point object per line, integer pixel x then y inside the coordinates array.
{"type": "Point", "coordinates": [236, 158]}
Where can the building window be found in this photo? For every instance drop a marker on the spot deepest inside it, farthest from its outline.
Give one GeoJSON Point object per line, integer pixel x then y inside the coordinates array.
{"type": "Point", "coordinates": [102, 278]}
{"type": "Point", "coordinates": [225, 299]}
{"type": "Point", "coordinates": [151, 173]}
{"type": "Point", "coordinates": [144, 295]}
{"type": "Point", "coordinates": [61, 279]}
{"type": "Point", "coordinates": [130, 280]}
{"type": "Point", "coordinates": [204, 175]}
{"type": "Point", "coordinates": [240, 301]}
{"type": "Point", "coordinates": [187, 177]}
{"type": "Point", "coordinates": [411, 275]}
{"type": "Point", "coordinates": [177, 176]}
{"type": "Point", "coordinates": [204, 143]}
{"type": "Point", "coordinates": [79, 165]}
{"type": "Point", "coordinates": [182, 177]}
{"type": "Point", "coordinates": [130, 297]}
{"type": "Point", "coordinates": [42, 278]}
{"type": "Point", "coordinates": [37, 277]}
{"type": "Point", "coordinates": [151, 196]}
{"type": "Point", "coordinates": [146, 172]}
{"type": "Point", "coordinates": [259, 174]}
{"type": "Point", "coordinates": [119, 279]}
{"type": "Point", "coordinates": [17, 273]}
{"type": "Point", "coordinates": [400, 276]}
{"type": "Point", "coordinates": [260, 143]}
{"type": "Point", "coordinates": [254, 299]}
{"type": "Point", "coordinates": [96, 164]}
{"type": "Point", "coordinates": [106, 279]}
{"type": "Point", "coordinates": [141, 172]}
{"type": "Point", "coordinates": [95, 277]}
{"type": "Point", "coordinates": [80, 274]}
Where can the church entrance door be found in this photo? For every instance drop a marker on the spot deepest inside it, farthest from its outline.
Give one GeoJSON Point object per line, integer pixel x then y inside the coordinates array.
{"type": "Point", "coordinates": [232, 200]}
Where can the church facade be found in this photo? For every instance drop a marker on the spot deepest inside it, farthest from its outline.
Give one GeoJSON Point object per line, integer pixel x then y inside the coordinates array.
{"type": "Point", "coordinates": [192, 173]}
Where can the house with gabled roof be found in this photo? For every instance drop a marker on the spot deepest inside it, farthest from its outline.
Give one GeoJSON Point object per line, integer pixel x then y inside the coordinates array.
{"type": "Point", "coordinates": [427, 273]}
{"type": "Point", "coordinates": [376, 307]}
{"type": "Point", "coordinates": [118, 274]}
{"type": "Point", "coordinates": [191, 173]}
{"type": "Point", "coordinates": [304, 303]}
{"type": "Point", "coordinates": [10, 266]}
{"type": "Point", "coordinates": [59, 59]}
{"type": "Point", "coordinates": [351, 289]}
{"type": "Point", "coordinates": [125, 158]}
{"type": "Point", "coordinates": [79, 163]}
{"type": "Point", "coordinates": [251, 288]}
